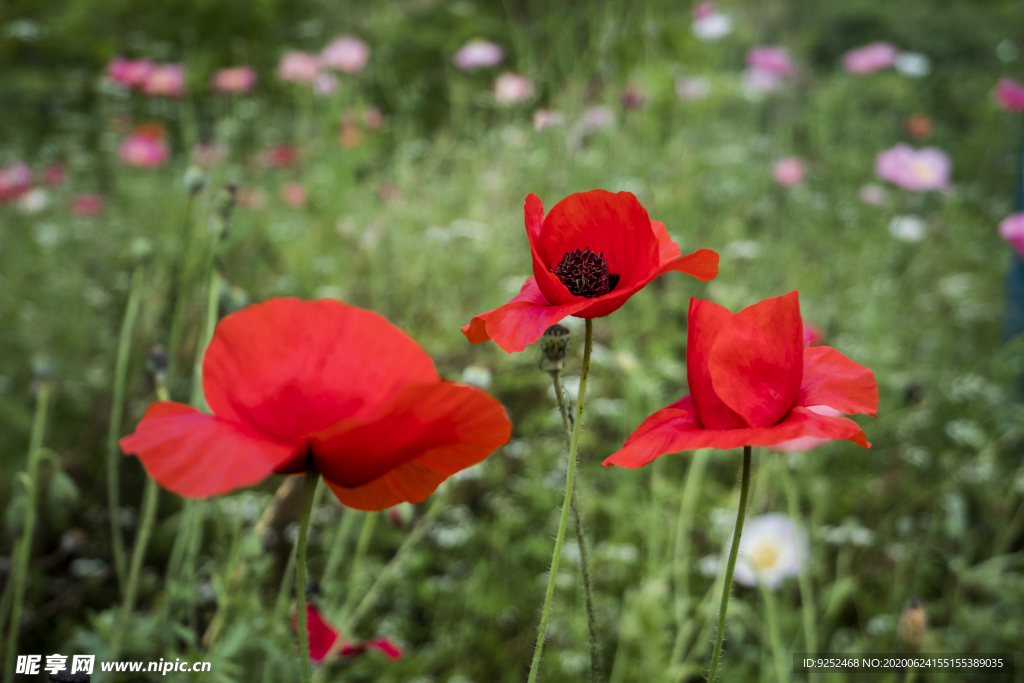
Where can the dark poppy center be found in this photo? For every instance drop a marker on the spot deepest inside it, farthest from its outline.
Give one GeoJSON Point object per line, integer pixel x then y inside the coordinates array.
{"type": "Point", "coordinates": [585, 273]}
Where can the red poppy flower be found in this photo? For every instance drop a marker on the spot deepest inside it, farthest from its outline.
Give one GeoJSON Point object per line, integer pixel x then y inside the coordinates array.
{"type": "Point", "coordinates": [299, 386]}
{"type": "Point", "coordinates": [324, 640]}
{"type": "Point", "coordinates": [591, 253]}
{"type": "Point", "coordinates": [754, 383]}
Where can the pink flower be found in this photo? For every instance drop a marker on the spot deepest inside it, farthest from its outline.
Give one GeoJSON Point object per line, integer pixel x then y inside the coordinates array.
{"type": "Point", "coordinates": [373, 118]}
{"type": "Point", "coordinates": [870, 58]}
{"type": "Point", "coordinates": [772, 60]}
{"type": "Point", "coordinates": [298, 67]}
{"type": "Point", "coordinates": [346, 53]}
{"type": "Point", "coordinates": [915, 170]}
{"type": "Point", "coordinates": [325, 83]}
{"type": "Point", "coordinates": [15, 180]}
{"type": "Point", "coordinates": [872, 194]}
{"type": "Point", "coordinates": [234, 79]}
{"type": "Point", "coordinates": [55, 174]}
{"type": "Point", "coordinates": [165, 80]}
{"type": "Point", "coordinates": [249, 198]}
{"type": "Point", "coordinates": [544, 119]}
{"type": "Point", "coordinates": [511, 88]}
{"type": "Point", "coordinates": [478, 54]}
{"type": "Point", "coordinates": [118, 69]}
{"type": "Point", "coordinates": [1011, 229]}
{"type": "Point", "coordinates": [597, 118]}
{"type": "Point", "coordinates": [128, 73]}
{"type": "Point", "coordinates": [294, 194]}
{"type": "Point", "coordinates": [788, 172]}
{"type": "Point", "coordinates": [144, 149]}
{"type": "Point", "coordinates": [86, 205]}
{"type": "Point", "coordinates": [1010, 94]}
{"type": "Point", "coordinates": [812, 334]}
{"type": "Point", "coordinates": [703, 10]}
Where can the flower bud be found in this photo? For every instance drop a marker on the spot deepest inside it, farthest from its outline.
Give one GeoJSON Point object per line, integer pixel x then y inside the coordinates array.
{"type": "Point", "coordinates": [156, 364]}
{"type": "Point", "coordinates": [142, 250]}
{"type": "Point", "coordinates": [225, 202]}
{"type": "Point", "coordinates": [195, 180]}
{"type": "Point", "coordinates": [15, 514]}
{"type": "Point", "coordinates": [913, 625]}
{"type": "Point", "coordinates": [555, 344]}
{"type": "Point", "coordinates": [62, 491]}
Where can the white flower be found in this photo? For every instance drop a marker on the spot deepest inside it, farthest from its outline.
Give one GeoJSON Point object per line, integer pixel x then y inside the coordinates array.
{"type": "Point", "coordinates": [913, 64]}
{"type": "Point", "coordinates": [477, 375]}
{"type": "Point", "coordinates": [908, 228]}
{"type": "Point", "coordinates": [692, 88]}
{"type": "Point", "coordinates": [772, 548]}
{"type": "Point", "coordinates": [712, 27]}
{"type": "Point", "coordinates": [33, 201]}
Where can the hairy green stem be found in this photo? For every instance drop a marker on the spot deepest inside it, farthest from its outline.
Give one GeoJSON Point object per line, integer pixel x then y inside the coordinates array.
{"type": "Point", "coordinates": [124, 345]}
{"type": "Point", "coordinates": [581, 541]}
{"type": "Point", "coordinates": [308, 491]}
{"type": "Point", "coordinates": [35, 449]}
{"type": "Point", "coordinates": [566, 504]}
{"type": "Point", "coordinates": [730, 567]}
{"type": "Point", "coordinates": [680, 566]}
{"type": "Point", "coordinates": [149, 504]}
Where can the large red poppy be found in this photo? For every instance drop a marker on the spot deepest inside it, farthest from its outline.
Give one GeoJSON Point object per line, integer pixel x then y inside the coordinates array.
{"type": "Point", "coordinates": [591, 253]}
{"type": "Point", "coordinates": [754, 383]}
{"type": "Point", "coordinates": [298, 386]}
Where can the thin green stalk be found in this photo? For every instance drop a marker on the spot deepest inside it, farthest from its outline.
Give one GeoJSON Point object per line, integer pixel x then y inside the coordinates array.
{"type": "Point", "coordinates": [781, 672]}
{"type": "Point", "coordinates": [124, 346]}
{"type": "Point", "coordinates": [35, 448]}
{"type": "Point", "coordinates": [570, 478]}
{"type": "Point", "coordinates": [212, 306]}
{"type": "Point", "coordinates": [362, 546]}
{"type": "Point", "coordinates": [284, 591]}
{"type": "Point", "coordinates": [806, 587]}
{"type": "Point", "coordinates": [581, 541]}
{"type": "Point", "coordinates": [348, 519]}
{"type": "Point", "coordinates": [308, 491]}
{"type": "Point", "coordinates": [174, 340]}
{"type": "Point", "coordinates": [731, 566]}
{"type": "Point", "coordinates": [149, 504]}
{"type": "Point", "coordinates": [680, 565]}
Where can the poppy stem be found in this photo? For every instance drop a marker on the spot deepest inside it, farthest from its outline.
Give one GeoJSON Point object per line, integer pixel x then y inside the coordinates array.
{"type": "Point", "coordinates": [581, 541]}
{"type": "Point", "coordinates": [570, 478]}
{"type": "Point", "coordinates": [124, 345]}
{"type": "Point", "coordinates": [730, 567]}
{"type": "Point", "coordinates": [149, 505]}
{"type": "Point", "coordinates": [300, 575]}
{"type": "Point", "coordinates": [31, 483]}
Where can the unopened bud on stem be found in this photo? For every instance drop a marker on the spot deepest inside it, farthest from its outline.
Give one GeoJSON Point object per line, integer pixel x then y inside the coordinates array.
{"type": "Point", "coordinates": [913, 625]}
{"type": "Point", "coordinates": [555, 344]}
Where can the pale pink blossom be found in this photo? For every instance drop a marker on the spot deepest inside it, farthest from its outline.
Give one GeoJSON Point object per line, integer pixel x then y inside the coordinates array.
{"type": "Point", "coordinates": [298, 67]}
{"type": "Point", "coordinates": [1010, 94]}
{"type": "Point", "coordinates": [872, 194]}
{"type": "Point", "coordinates": [709, 23]}
{"type": "Point", "coordinates": [478, 54]}
{"type": "Point", "coordinates": [15, 180]}
{"type": "Point", "coordinates": [55, 174]}
{"type": "Point", "coordinates": [347, 54]}
{"type": "Point", "coordinates": [692, 88]}
{"type": "Point", "coordinates": [294, 194]}
{"type": "Point", "coordinates": [812, 334]}
{"type": "Point", "coordinates": [788, 172]}
{"type": "Point", "coordinates": [756, 81]}
{"type": "Point", "coordinates": [772, 60]}
{"type": "Point", "coordinates": [373, 118]}
{"type": "Point", "coordinates": [86, 205]}
{"type": "Point", "coordinates": [597, 118]}
{"type": "Point", "coordinates": [870, 58]}
{"type": "Point", "coordinates": [129, 73]}
{"type": "Point", "coordinates": [544, 119]}
{"type": "Point", "coordinates": [803, 444]}
{"type": "Point", "coordinates": [512, 88]}
{"type": "Point", "coordinates": [915, 170]}
{"type": "Point", "coordinates": [165, 80]}
{"type": "Point", "coordinates": [234, 79]}
{"type": "Point", "coordinates": [1011, 229]}
{"type": "Point", "coordinates": [703, 10]}
{"type": "Point", "coordinates": [143, 150]}
{"type": "Point", "coordinates": [325, 84]}
{"type": "Point", "coordinates": [250, 198]}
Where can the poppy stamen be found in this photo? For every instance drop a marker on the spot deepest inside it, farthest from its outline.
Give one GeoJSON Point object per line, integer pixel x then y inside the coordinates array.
{"type": "Point", "coordinates": [585, 273]}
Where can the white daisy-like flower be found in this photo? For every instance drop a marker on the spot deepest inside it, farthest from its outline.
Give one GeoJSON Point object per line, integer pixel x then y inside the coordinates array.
{"type": "Point", "coordinates": [772, 548]}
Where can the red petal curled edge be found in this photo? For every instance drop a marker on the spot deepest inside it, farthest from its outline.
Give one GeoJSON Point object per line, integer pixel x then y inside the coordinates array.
{"type": "Point", "coordinates": [702, 264]}
{"type": "Point", "coordinates": [288, 368]}
{"type": "Point", "coordinates": [831, 379]}
{"type": "Point", "coordinates": [521, 321]}
{"type": "Point", "coordinates": [197, 455]}
{"type": "Point", "coordinates": [756, 361]}
{"type": "Point", "coordinates": [428, 433]}
{"type": "Point", "coordinates": [676, 428]}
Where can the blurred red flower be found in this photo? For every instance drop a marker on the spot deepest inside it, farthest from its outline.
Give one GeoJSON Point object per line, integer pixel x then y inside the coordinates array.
{"type": "Point", "coordinates": [324, 640]}
{"type": "Point", "coordinates": [591, 253]}
{"type": "Point", "coordinates": [145, 147]}
{"type": "Point", "coordinates": [281, 156]}
{"type": "Point", "coordinates": [86, 205]}
{"type": "Point", "coordinates": [300, 386]}
{"type": "Point", "coordinates": [754, 383]}
{"type": "Point", "coordinates": [55, 174]}
{"type": "Point", "coordinates": [1010, 94]}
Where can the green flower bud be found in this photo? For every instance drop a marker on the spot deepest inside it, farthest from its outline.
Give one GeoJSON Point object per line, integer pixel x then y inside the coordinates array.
{"type": "Point", "coordinates": [195, 180]}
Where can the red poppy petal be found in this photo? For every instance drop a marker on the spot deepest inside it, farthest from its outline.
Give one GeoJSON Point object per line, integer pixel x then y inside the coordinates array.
{"type": "Point", "coordinates": [385, 645]}
{"type": "Point", "coordinates": [756, 361]}
{"type": "Point", "coordinates": [667, 248]}
{"type": "Point", "coordinates": [521, 321]}
{"type": "Point", "coordinates": [533, 208]}
{"type": "Point", "coordinates": [676, 429]}
{"type": "Point", "coordinates": [706, 321]}
{"type": "Point", "coordinates": [197, 455]}
{"type": "Point", "coordinates": [322, 635]}
{"type": "Point", "coordinates": [430, 432]}
{"type": "Point", "coordinates": [702, 264]}
{"type": "Point", "coordinates": [289, 367]}
{"type": "Point", "coordinates": [614, 224]}
{"type": "Point", "coordinates": [831, 379]}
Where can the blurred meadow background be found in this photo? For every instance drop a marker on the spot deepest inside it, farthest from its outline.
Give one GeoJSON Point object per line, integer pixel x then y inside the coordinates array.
{"type": "Point", "coordinates": [387, 168]}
